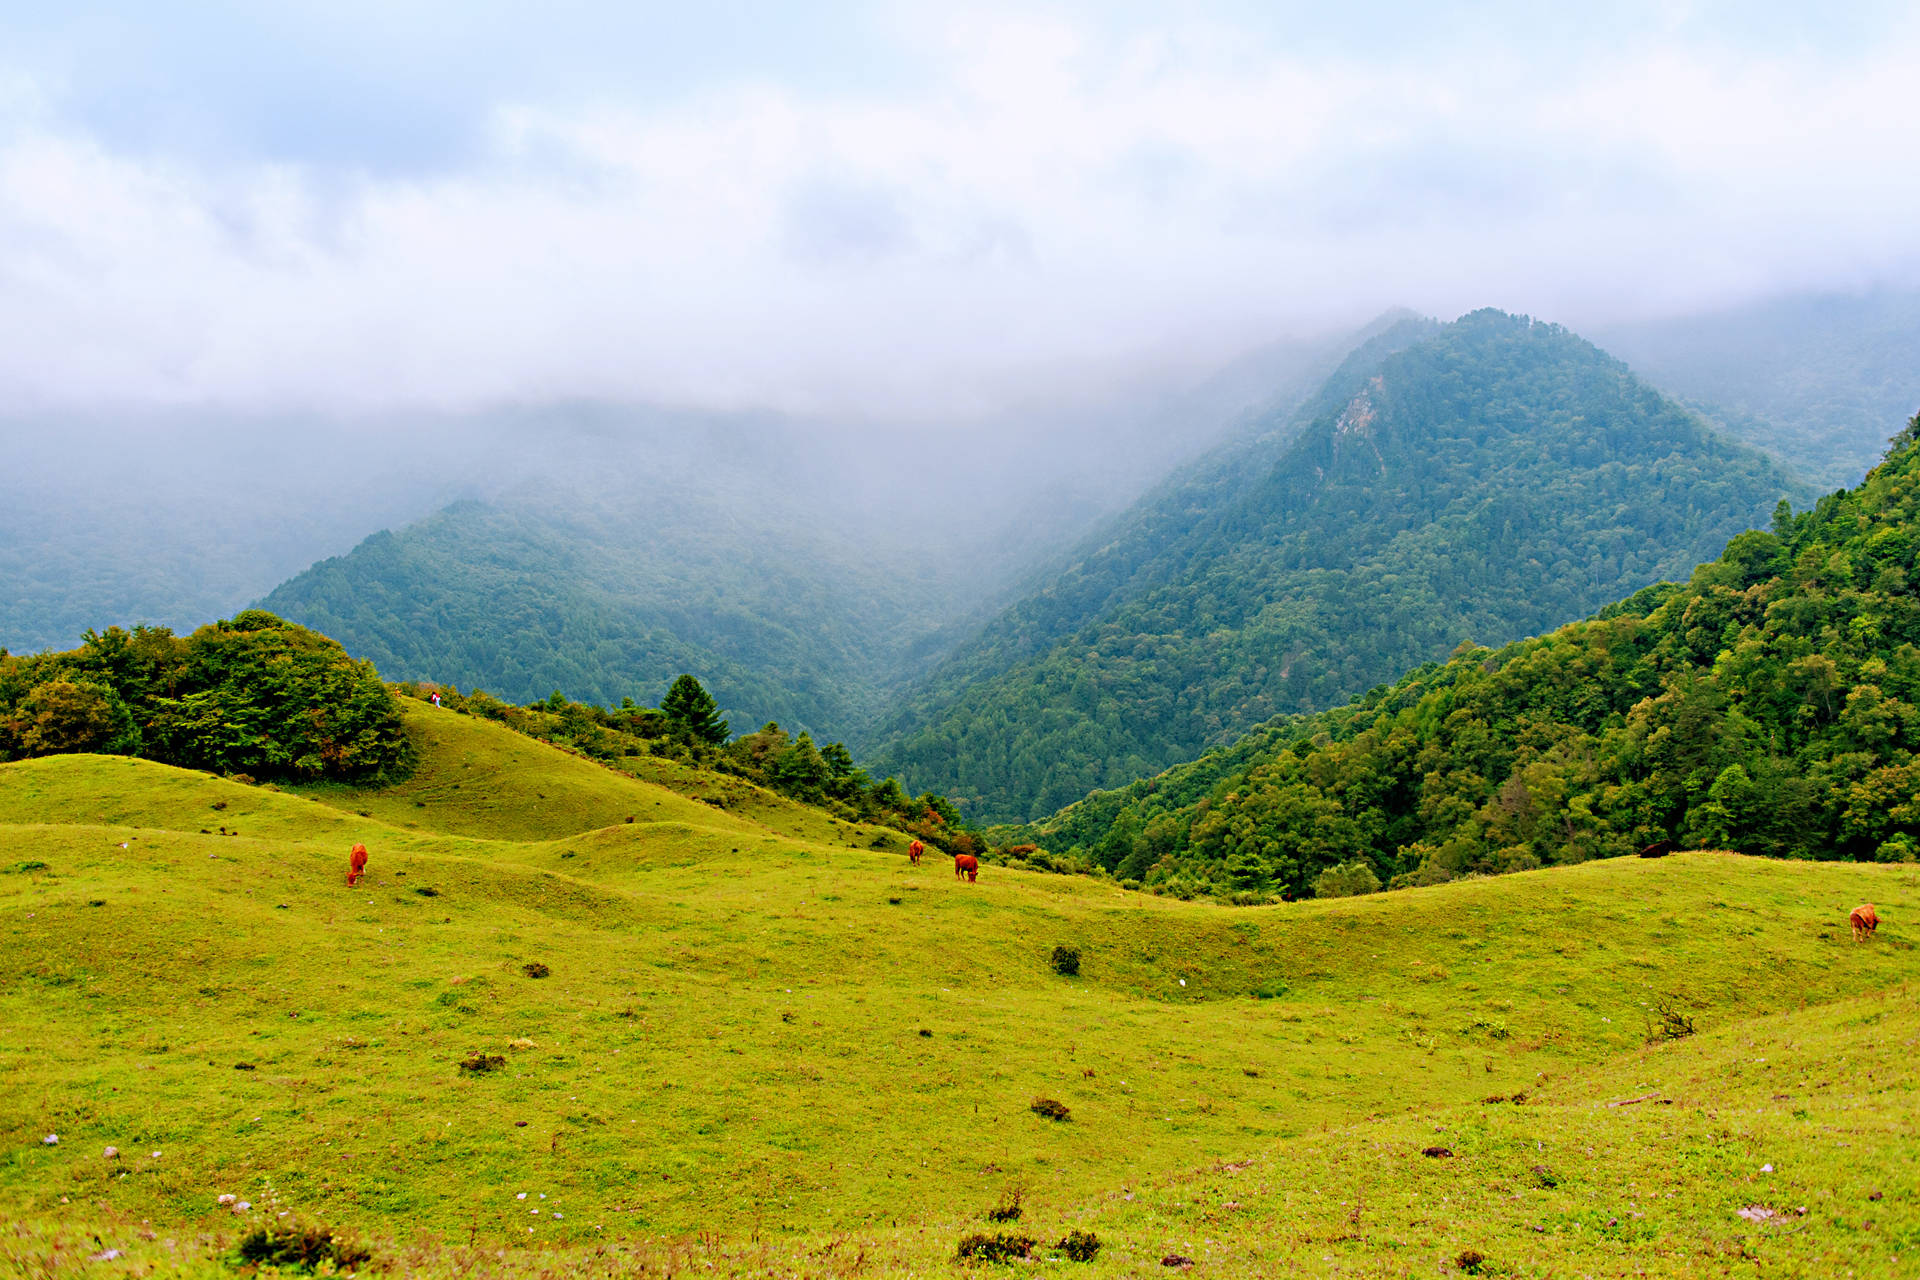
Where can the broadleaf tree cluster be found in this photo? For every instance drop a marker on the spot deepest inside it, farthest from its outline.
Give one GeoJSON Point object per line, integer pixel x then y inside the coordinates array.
{"type": "Point", "coordinates": [251, 695]}
{"type": "Point", "coordinates": [1490, 479]}
{"type": "Point", "coordinates": [1771, 706]}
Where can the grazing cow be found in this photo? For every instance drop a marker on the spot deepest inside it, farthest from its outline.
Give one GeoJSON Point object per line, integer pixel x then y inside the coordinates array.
{"type": "Point", "coordinates": [965, 864]}
{"type": "Point", "coordinates": [914, 851]}
{"type": "Point", "coordinates": [1658, 849]}
{"type": "Point", "coordinates": [357, 864]}
{"type": "Point", "coordinates": [1864, 922]}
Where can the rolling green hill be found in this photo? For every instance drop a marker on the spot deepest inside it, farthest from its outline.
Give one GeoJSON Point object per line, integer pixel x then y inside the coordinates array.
{"type": "Point", "coordinates": [1489, 480]}
{"type": "Point", "coordinates": [758, 1046]}
{"type": "Point", "coordinates": [1769, 705]}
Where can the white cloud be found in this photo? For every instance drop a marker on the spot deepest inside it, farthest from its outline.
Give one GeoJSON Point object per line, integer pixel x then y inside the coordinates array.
{"type": "Point", "coordinates": [1049, 201]}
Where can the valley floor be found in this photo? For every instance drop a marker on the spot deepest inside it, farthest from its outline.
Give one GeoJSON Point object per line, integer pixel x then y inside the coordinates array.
{"type": "Point", "coordinates": [765, 1047]}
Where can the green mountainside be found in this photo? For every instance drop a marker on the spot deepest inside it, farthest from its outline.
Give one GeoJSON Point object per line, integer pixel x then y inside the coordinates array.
{"type": "Point", "coordinates": [1493, 479]}
{"type": "Point", "coordinates": [1771, 705]}
{"type": "Point", "coordinates": [1814, 380]}
{"type": "Point", "coordinates": [608, 601]}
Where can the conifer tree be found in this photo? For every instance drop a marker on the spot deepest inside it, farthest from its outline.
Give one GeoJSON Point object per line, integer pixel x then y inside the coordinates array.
{"type": "Point", "coordinates": [692, 709]}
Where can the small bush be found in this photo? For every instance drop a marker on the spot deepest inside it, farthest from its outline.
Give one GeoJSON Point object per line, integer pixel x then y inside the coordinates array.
{"type": "Point", "coordinates": [1079, 1246]}
{"type": "Point", "coordinates": [299, 1247]}
{"type": "Point", "coordinates": [1066, 961]}
{"type": "Point", "coordinates": [534, 969]}
{"type": "Point", "coordinates": [1008, 1210]}
{"type": "Point", "coordinates": [1667, 1023]}
{"type": "Point", "coordinates": [1544, 1177]}
{"type": "Point", "coordinates": [1051, 1108]}
{"type": "Point", "coordinates": [998, 1247]}
{"type": "Point", "coordinates": [1470, 1261]}
{"type": "Point", "coordinates": [1347, 880]}
{"type": "Point", "coordinates": [425, 892]}
{"type": "Point", "coordinates": [481, 1063]}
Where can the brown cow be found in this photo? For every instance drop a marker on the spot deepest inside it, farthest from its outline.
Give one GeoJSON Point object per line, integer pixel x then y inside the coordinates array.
{"type": "Point", "coordinates": [965, 864]}
{"type": "Point", "coordinates": [357, 864]}
{"type": "Point", "coordinates": [914, 851]}
{"type": "Point", "coordinates": [1864, 922]}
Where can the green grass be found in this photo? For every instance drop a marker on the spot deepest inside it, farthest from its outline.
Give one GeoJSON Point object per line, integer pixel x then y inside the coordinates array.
{"type": "Point", "coordinates": [727, 1062]}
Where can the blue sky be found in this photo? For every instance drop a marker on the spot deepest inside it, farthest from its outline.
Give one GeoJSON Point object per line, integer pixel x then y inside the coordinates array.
{"type": "Point", "coordinates": [897, 210]}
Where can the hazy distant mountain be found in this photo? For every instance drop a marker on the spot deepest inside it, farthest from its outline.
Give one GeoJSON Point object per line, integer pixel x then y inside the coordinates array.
{"type": "Point", "coordinates": [806, 573]}
{"type": "Point", "coordinates": [1492, 479]}
{"type": "Point", "coordinates": [1813, 379]}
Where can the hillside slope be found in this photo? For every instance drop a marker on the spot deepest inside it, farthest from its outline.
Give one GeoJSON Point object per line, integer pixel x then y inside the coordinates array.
{"type": "Point", "coordinates": [1769, 705]}
{"type": "Point", "coordinates": [1494, 479]}
{"type": "Point", "coordinates": [772, 1033]}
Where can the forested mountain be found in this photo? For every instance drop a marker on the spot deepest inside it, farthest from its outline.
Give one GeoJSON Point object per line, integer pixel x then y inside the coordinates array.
{"type": "Point", "coordinates": [1493, 479]}
{"type": "Point", "coordinates": [1812, 379]}
{"type": "Point", "coordinates": [530, 593]}
{"type": "Point", "coordinates": [1771, 705]}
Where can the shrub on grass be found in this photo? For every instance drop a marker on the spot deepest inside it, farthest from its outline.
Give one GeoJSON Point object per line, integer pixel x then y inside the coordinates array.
{"type": "Point", "coordinates": [1051, 1108]}
{"type": "Point", "coordinates": [1470, 1261]}
{"type": "Point", "coordinates": [1008, 1210]}
{"type": "Point", "coordinates": [534, 969]}
{"type": "Point", "coordinates": [1666, 1022]}
{"type": "Point", "coordinates": [1347, 880]}
{"type": "Point", "coordinates": [1079, 1246]}
{"type": "Point", "coordinates": [299, 1247]}
{"type": "Point", "coordinates": [998, 1247]}
{"type": "Point", "coordinates": [481, 1063]}
{"type": "Point", "coordinates": [1066, 961]}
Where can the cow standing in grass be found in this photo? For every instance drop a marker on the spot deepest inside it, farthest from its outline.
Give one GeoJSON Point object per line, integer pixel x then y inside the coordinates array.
{"type": "Point", "coordinates": [965, 864]}
{"type": "Point", "coordinates": [357, 864]}
{"type": "Point", "coordinates": [1864, 922]}
{"type": "Point", "coordinates": [914, 851]}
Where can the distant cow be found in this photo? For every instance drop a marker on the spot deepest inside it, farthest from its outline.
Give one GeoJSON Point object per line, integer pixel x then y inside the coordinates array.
{"type": "Point", "coordinates": [1864, 922]}
{"type": "Point", "coordinates": [965, 864]}
{"type": "Point", "coordinates": [914, 851]}
{"type": "Point", "coordinates": [1658, 849]}
{"type": "Point", "coordinates": [357, 864]}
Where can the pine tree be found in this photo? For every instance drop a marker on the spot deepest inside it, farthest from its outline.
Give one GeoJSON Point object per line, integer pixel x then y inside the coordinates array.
{"type": "Point", "coordinates": [691, 709]}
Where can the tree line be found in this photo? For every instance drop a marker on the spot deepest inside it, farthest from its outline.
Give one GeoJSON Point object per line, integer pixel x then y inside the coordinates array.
{"type": "Point", "coordinates": [251, 695]}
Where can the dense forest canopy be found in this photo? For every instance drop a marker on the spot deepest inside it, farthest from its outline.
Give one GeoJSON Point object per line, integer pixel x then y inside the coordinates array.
{"type": "Point", "coordinates": [1771, 705]}
{"type": "Point", "coordinates": [1493, 479]}
{"type": "Point", "coordinates": [252, 695]}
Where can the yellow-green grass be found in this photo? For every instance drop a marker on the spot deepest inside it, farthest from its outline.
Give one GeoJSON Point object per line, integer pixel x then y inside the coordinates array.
{"type": "Point", "coordinates": [730, 1038]}
{"type": "Point", "coordinates": [1640, 1166]}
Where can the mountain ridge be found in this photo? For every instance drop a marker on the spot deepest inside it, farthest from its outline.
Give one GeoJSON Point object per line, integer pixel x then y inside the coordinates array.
{"type": "Point", "coordinates": [1515, 446]}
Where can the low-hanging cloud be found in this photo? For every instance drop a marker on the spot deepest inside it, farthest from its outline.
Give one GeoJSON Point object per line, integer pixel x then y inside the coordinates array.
{"type": "Point", "coordinates": [1046, 198]}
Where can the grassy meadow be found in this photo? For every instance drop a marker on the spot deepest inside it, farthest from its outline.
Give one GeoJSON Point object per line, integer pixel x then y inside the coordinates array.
{"type": "Point", "coordinates": [763, 1045]}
